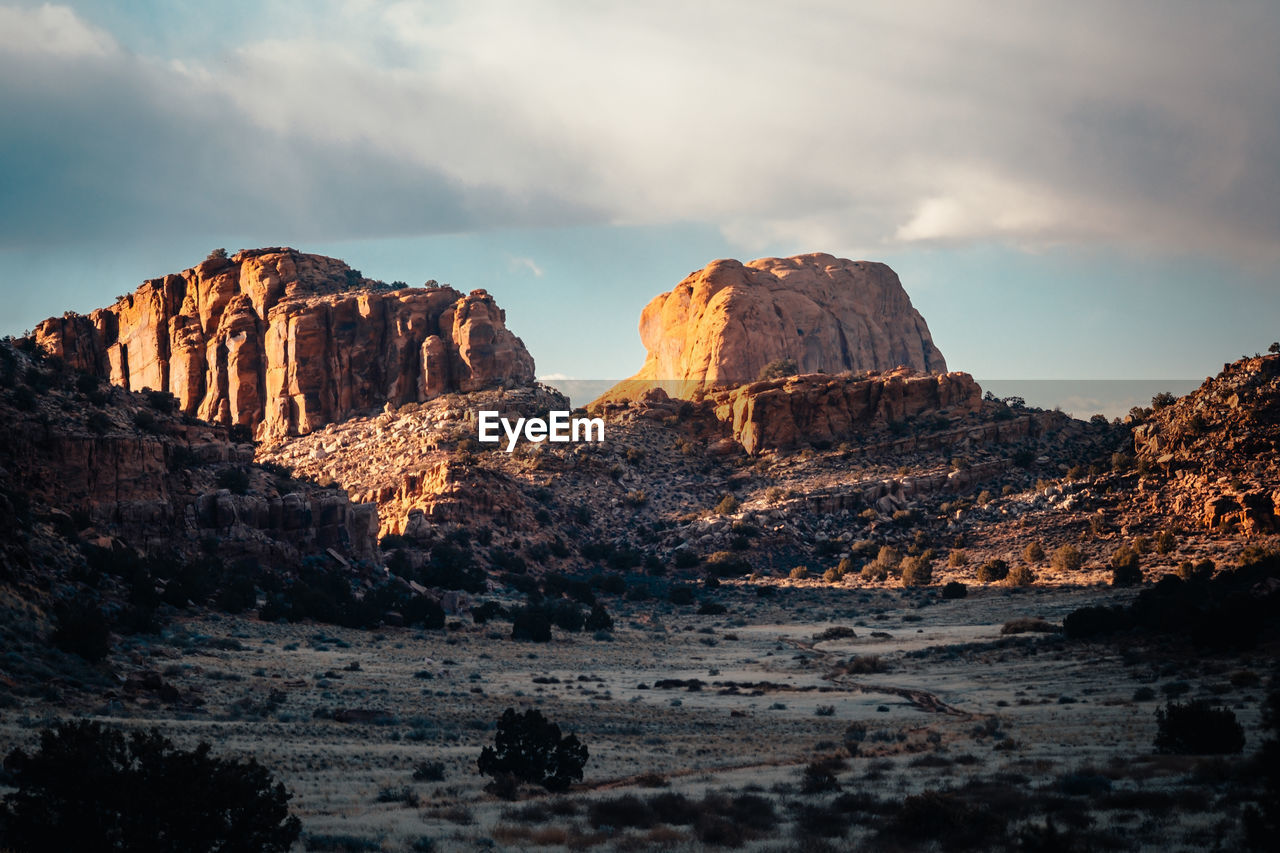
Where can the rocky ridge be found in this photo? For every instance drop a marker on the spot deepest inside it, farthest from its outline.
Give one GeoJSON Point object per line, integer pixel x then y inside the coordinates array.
{"type": "Point", "coordinates": [722, 324]}
{"type": "Point", "coordinates": [119, 468]}
{"type": "Point", "coordinates": [1212, 458]}
{"type": "Point", "coordinates": [283, 342]}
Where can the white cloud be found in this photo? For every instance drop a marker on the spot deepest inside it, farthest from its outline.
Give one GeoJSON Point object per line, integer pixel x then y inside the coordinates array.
{"type": "Point", "coordinates": [528, 265]}
{"type": "Point", "coordinates": [816, 124]}
{"type": "Point", "coordinates": [49, 29]}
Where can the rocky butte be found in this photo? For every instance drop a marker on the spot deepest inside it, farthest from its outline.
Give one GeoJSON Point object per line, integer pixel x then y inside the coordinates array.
{"type": "Point", "coordinates": [283, 342]}
{"type": "Point", "coordinates": [727, 321]}
{"type": "Point", "coordinates": [862, 356]}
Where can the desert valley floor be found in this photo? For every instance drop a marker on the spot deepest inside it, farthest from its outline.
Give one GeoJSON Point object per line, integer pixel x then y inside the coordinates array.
{"type": "Point", "coordinates": [974, 694]}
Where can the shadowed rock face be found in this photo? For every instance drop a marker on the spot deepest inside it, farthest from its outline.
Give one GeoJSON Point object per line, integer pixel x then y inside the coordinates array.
{"type": "Point", "coordinates": [284, 342]}
{"type": "Point", "coordinates": [725, 322]}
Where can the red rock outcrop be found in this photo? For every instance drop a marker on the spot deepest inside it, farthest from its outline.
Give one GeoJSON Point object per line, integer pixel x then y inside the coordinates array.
{"type": "Point", "coordinates": [284, 342]}
{"type": "Point", "coordinates": [727, 321]}
{"type": "Point", "coordinates": [1212, 458]}
{"type": "Point", "coordinates": [780, 413]}
{"type": "Point", "coordinates": [153, 480]}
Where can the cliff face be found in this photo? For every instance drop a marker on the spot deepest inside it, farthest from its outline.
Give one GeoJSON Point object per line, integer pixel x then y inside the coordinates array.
{"type": "Point", "coordinates": [155, 481]}
{"type": "Point", "coordinates": [781, 413]}
{"type": "Point", "coordinates": [725, 322]}
{"type": "Point", "coordinates": [284, 342]}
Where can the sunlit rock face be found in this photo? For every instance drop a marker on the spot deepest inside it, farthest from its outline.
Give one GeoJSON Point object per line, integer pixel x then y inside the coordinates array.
{"type": "Point", "coordinates": [724, 323]}
{"type": "Point", "coordinates": [284, 342]}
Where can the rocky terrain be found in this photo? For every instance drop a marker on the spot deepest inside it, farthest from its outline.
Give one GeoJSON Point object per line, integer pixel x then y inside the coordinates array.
{"type": "Point", "coordinates": [281, 342]}
{"type": "Point", "coordinates": [865, 608]}
{"type": "Point", "coordinates": [1212, 458]}
{"type": "Point", "coordinates": [727, 321]}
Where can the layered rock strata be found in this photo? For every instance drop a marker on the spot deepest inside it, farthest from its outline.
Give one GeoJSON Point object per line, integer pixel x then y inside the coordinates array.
{"type": "Point", "coordinates": [283, 342]}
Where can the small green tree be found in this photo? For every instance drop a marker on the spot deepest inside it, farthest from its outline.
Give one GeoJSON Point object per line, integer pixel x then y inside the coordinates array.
{"type": "Point", "coordinates": [90, 788]}
{"type": "Point", "coordinates": [529, 748]}
{"type": "Point", "coordinates": [778, 369]}
{"type": "Point", "coordinates": [993, 571]}
{"type": "Point", "coordinates": [1125, 566]}
{"type": "Point", "coordinates": [1067, 558]}
{"type": "Point", "coordinates": [917, 571]}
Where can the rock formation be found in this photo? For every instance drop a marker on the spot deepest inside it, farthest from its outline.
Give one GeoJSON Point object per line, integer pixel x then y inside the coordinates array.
{"type": "Point", "coordinates": [1213, 457]}
{"type": "Point", "coordinates": [283, 342]}
{"type": "Point", "coordinates": [780, 413]}
{"type": "Point", "coordinates": [727, 321]}
{"type": "Point", "coordinates": [138, 475]}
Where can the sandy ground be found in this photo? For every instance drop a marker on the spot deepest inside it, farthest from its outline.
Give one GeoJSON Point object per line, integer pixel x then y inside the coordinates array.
{"type": "Point", "coordinates": [954, 701]}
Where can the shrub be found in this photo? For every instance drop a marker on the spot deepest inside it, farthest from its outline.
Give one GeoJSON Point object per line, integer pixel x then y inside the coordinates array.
{"type": "Point", "coordinates": [98, 423]}
{"type": "Point", "coordinates": [681, 595]}
{"type": "Point", "coordinates": [818, 778]}
{"type": "Point", "coordinates": [957, 558]}
{"type": "Point", "coordinates": [888, 558]}
{"type": "Point", "coordinates": [955, 589]}
{"type": "Point", "coordinates": [235, 479]}
{"type": "Point", "coordinates": [726, 564]}
{"type": "Point", "coordinates": [993, 571]}
{"type": "Point", "coordinates": [1033, 553]}
{"type": "Point", "coordinates": [799, 573]}
{"type": "Point", "coordinates": [90, 788]}
{"type": "Point", "coordinates": [874, 571]}
{"type": "Point", "coordinates": [684, 558]}
{"type": "Point", "coordinates": [932, 816]}
{"type": "Point", "coordinates": [917, 571]}
{"type": "Point", "coordinates": [81, 629]}
{"type": "Point", "coordinates": [1087, 622]}
{"type": "Point", "coordinates": [1067, 558]}
{"type": "Point", "coordinates": [1125, 567]}
{"type": "Point", "coordinates": [1166, 542]}
{"type": "Point", "coordinates": [779, 369]}
{"type": "Point", "coordinates": [531, 624]}
{"type": "Point", "coordinates": [529, 748]}
{"type": "Point", "coordinates": [1196, 728]}
{"type": "Point", "coordinates": [727, 506]}
{"type": "Point", "coordinates": [1021, 576]}
{"type": "Point", "coordinates": [599, 619]}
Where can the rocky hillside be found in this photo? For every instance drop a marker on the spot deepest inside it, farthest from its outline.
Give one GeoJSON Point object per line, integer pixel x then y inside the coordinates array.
{"type": "Point", "coordinates": [283, 342]}
{"type": "Point", "coordinates": [1212, 458]}
{"type": "Point", "coordinates": [127, 470]}
{"type": "Point", "coordinates": [727, 321]}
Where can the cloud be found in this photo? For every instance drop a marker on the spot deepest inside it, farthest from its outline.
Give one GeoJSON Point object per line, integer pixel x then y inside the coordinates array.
{"type": "Point", "coordinates": [817, 125]}
{"type": "Point", "coordinates": [528, 265]}
{"type": "Point", "coordinates": [50, 30]}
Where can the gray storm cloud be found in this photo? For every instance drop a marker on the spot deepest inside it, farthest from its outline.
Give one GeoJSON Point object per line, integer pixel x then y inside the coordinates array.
{"type": "Point", "coordinates": [1142, 124]}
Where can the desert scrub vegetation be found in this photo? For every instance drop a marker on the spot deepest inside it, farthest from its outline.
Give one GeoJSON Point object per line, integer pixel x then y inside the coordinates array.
{"type": "Point", "coordinates": [90, 788]}
{"type": "Point", "coordinates": [1066, 558]}
{"type": "Point", "coordinates": [917, 571]}
{"type": "Point", "coordinates": [1126, 566]}
{"type": "Point", "coordinates": [1197, 728]}
{"type": "Point", "coordinates": [529, 748]}
{"type": "Point", "coordinates": [993, 571]}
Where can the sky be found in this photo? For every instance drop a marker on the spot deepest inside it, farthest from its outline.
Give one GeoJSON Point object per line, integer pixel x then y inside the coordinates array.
{"type": "Point", "coordinates": [1068, 190]}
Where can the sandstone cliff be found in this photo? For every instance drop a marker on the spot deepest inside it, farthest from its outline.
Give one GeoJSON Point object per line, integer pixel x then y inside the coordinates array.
{"type": "Point", "coordinates": [284, 342]}
{"type": "Point", "coordinates": [725, 322]}
{"type": "Point", "coordinates": [116, 466]}
{"type": "Point", "coordinates": [781, 413]}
